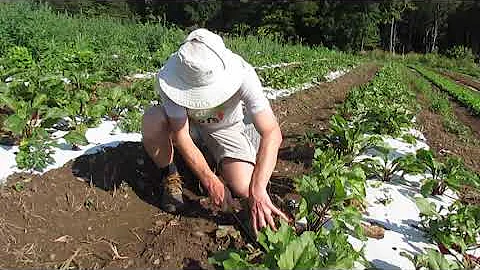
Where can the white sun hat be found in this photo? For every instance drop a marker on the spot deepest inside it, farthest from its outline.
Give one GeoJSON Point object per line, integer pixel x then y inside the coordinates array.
{"type": "Point", "coordinates": [203, 73]}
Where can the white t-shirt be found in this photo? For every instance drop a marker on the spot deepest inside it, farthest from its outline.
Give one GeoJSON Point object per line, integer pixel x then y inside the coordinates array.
{"type": "Point", "coordinates": [249, 99]}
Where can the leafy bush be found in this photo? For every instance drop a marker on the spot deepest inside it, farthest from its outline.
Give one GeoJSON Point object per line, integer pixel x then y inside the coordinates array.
{"type": "Point", "coordinates": [461, 52]}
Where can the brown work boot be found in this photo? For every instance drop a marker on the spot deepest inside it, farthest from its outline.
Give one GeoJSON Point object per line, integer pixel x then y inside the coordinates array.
{"type": "Point", "coordinates": [172, 200]}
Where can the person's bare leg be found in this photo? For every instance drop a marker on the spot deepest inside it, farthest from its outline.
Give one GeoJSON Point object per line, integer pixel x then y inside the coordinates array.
{"type": "Point", "coordinates": [158, 144]}
{"type": "Point", "coordinates": [237, 174]}
{"type": "Point", "coordinates": [156, 136]}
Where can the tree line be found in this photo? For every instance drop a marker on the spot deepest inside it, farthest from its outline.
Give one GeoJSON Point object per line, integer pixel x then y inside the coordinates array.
{"type": "Point", "coordinates": [393, 25]}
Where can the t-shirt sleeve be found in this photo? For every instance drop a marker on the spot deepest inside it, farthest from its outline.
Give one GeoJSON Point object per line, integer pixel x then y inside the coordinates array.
{"type": "Point", "coordinates": [251, 92]}
{"type": "Point", "coordinates": [172, 109]}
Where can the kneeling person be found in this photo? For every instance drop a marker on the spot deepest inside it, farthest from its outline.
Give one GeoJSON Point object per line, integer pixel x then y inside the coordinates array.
{"type": "Point", "coordinates": [210, 91]}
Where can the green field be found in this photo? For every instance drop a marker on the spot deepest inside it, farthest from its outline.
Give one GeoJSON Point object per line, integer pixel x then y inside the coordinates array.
{"type": "Point", "coordinates": [69, 72]}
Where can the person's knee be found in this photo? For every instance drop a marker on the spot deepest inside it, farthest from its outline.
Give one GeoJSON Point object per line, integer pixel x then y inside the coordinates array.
{"type": "Point", "coordinates": [155, 123]}
{"type": "Point", "coordinates": [243, 191]}
{"type": "Point", "coordinates": [237, 175]}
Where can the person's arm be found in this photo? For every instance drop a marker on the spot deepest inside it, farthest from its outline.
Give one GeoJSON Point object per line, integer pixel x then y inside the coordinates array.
{"type": "Point", "coordinates": [257, 106]}
{"type": "Point", "coordinates": [261, 206]}
{"type": "Point", "coordinates": [196, 161]}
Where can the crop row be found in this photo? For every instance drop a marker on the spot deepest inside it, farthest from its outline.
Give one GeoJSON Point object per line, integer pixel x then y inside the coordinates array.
{"type": "Point", "coordinates": [108, 49]}
{"type": "Point", "coordinates": [467, 97]}
{"type": "Point", "coordinates": [331, 194]}
{"type": "Point", "coordinates": [333, 191]}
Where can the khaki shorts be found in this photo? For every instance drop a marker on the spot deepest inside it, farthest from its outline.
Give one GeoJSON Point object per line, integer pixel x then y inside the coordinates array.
{"type": "Point", "coordinates": [239, 141]}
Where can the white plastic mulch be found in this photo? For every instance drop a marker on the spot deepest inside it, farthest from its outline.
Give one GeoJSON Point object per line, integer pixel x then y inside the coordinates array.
{"type": "Point", "coordinates": [105, 135]}
{"type": "Point", "coordinates": [392, 206]}
{"type": "Point", "coordinates": [280, 65]}
{"type": "Point", "coordinates": [399, 216]}
{"type": "Point", "coordinates": [272, 93]}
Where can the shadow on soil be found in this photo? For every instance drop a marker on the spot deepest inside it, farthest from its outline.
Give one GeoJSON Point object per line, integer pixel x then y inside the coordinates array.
{"type": "Point", "coordinates": [298, 153]}
{"type": "Point", "coordinates": [109, 168]}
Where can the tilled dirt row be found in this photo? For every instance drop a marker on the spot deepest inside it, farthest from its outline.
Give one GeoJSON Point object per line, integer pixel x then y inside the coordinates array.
{"type": "Point", "coordinates": [101, 210]}
{"type": "Point", "coordinates": [444, 142]}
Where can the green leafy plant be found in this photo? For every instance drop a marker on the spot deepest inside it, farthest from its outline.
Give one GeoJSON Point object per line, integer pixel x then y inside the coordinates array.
{"type": "Point", "coordinates": [41, 102]}
{"type": "Point", "coordinates": [284, 249]}
{"type": "Point", "coordinates": [116, 101]}
{"type": "Point", "coordinates": [388, 119]}
{"type": "Point", "coordinates": [132, 121]}
{"type": "Point", "coordinates": [328, 190]}
{"type": "Point", "coordinates": [310, 138]}
{"type": "Point", "coordinates": [464, 95]}
{"type": "Point", "coordinates": [439, 103]}
{"type": "Point", "coordinates": [434, 185]}
{"type": "Point", "coordinates": [35, 152]}
{"type": "Point", "coordinates": [384, 166]}
{"type": "Point", "coordinates": [347, 138]}
{"type": "Point", "coordinates": [19, 186]}
{"type": "Point", "coordinates": [453, 228]}
{"type": "Point", "coordinates": [385, 105]}
{"type": "Point", "coordinates": [432, 259]}
{"type": "Point", "coordinates": [30, 110]}
{"type": "Point", "coordinates": [409, 138]}
{"type": "Point", "coordinates": [76, 137]}
{"type": "Point", "coordinates": [18, 57]}
{"type": "Point", "coordinates": [28, 114]}
{"type": "Point", "coordinates": [451, 174]}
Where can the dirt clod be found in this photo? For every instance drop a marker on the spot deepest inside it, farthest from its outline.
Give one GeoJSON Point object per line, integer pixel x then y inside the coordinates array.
{"type": "Point", "coordinates": [373, 231]}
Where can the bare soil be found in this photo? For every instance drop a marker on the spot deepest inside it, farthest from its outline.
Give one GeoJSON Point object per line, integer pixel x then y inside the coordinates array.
{"type": "Point", "coordinates": [466, 117]}
{"type": "Point", "coordinates": [102, 210]}
{"type": "Point", "coordinates": [445, 142]}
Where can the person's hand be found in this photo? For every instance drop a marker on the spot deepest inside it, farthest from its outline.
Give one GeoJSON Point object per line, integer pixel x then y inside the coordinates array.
{"type": "Point", "coordinates": [262, 210]}
{"type": "Point", "coordinates": [219, 194]}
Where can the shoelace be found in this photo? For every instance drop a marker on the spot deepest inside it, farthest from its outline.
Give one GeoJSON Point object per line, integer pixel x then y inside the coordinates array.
{"type": "Point", "coordinates": [173, 184]}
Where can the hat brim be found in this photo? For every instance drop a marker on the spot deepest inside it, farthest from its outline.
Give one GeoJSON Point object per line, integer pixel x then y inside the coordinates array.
{"type": "Point", "coordinates": [204, 97]}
